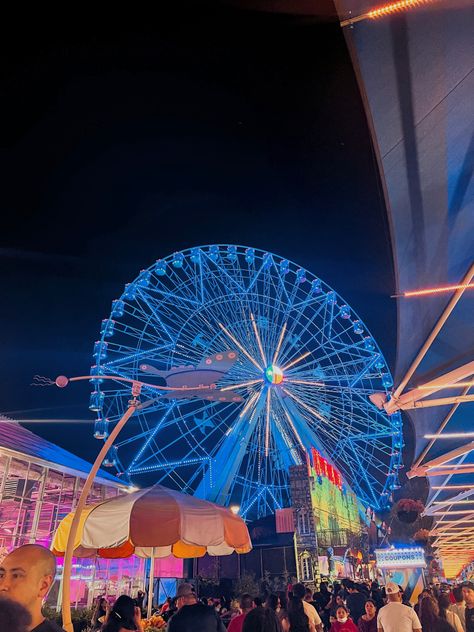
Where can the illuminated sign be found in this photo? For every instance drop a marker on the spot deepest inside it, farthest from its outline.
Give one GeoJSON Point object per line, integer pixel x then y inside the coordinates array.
{"type": "Point", "coordinates": [401, 558]}
{"type": "Point", "coordinates": [322, 467]}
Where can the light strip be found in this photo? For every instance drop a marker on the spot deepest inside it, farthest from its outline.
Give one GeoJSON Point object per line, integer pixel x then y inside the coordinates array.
{"type": "Point", "coordinates": [450, 435]}
{"type": "Point", "coordinates": [457, 512]}
{"type": "Point", "coordinates": [292, 426]}
{"type": "Point", "coordinates": [257, 336]}
{"type": "Point", "coordinates": [387, 9]}
{"type": "Point", "coordinates": [267, 423]}
{"type": "Point", "coordinates": [250, 402]}
{"type": "Point", "coordinates": [244, 351]}
{"type": "Point", "coordinates": [451, 466]}
{"type": "Point", "coordinates": [301, 357]}
{"type": "Point", "coordinates": [434, 290]}
{"type": "Point", "coordinates": [280, 340]}
{"type": "Point", "coordinates": [452, 487]}
{"type": "Point", "coordinates": [305, 406]}
{"type": "Point", "coordinates": [439, 387]}
{"type": "Point", "coordinates": [241, 385]}
{"type": "Point", "coordinates": [290, 381]}
{"type": "Point", "coordinates": [453, 502]}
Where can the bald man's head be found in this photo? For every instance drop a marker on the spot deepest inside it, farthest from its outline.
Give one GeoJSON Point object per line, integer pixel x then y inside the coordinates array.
{"type": "Point", "coordinates": [26, 575]}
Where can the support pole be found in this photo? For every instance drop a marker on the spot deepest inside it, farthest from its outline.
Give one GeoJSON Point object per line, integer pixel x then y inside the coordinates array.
{"type": "Point", "coordinates": [66, 598]}
{"type": "Point", "coordinates": [436, 329]}
{"type": "Point", "coordinates": [150, 583]}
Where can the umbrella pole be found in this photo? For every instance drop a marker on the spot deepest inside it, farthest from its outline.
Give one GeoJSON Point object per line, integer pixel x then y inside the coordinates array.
{"type": "Point", "coordinates": [150, 583]}
{"type": "Point", "coordinates": [66, 597]}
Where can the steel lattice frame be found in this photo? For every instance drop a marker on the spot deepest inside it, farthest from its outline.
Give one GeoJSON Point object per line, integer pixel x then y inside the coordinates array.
{"type": "Point", "coordinates": [269, 313]}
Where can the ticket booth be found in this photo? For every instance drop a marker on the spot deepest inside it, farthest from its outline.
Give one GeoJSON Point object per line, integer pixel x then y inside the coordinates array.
{"type": "Point", "coordinates": [405, 567]}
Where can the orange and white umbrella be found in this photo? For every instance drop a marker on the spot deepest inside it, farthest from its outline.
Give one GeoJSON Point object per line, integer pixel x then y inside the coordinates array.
{"type": "Point", "coordinates": [154, 522]}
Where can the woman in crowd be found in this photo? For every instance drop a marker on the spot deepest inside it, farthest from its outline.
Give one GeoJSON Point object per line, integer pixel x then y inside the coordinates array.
{"type": "Point", "coordinates": [451, 617]}
{"type": "Point", "coordinates": [273, 602]}
{"type": "Point", "coordinates": [297, 618]}
{"type": "Point", "coordinates": [430, 619]}
{"type": "Point", "coordinates": [368, 621]}
{"type": "Point", "coordinates": [100, 612]}
{"type": "Point", "coordinates": [343, 622]}
{"type": "Point", "coordinates": [123, 616]}
{"type": "Point", "coordinates": [336, 602]}
{"type": "Point", "coordinates": [261, 619]}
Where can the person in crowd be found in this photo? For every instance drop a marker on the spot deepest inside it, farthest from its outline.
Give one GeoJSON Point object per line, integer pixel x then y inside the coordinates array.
{"type": "Point", "coordinates": [297, 617]}
{"type": "Point", "coordinates": [343, 622]}
{"type": "Point", "coordinates": [395, 616]}
{"type": "Point", "coordinates": [192, 615]}
{"type": "Point", "coordinates": [246, 605]}
{"type": "Point", "coordinates": [321, 601]}
{"type": "Point", "coordinates": [166, 606]}
{"type": "Point", "coordinates": [468, 594]}
{"type": "Point", "coordinates": [376, 594]}
{"type": "Point", "coordinates": [368, 621]}
{"type": "Point", "coordinates": [459, 607]}
{"type": "Point", "coordinates": [261, 619]}
{"type": "Point", "coordinates": [123, 616]}
{"type": "Point", "coordinates": [445, 613]}
{"type": "Point", "coordinates": [426, 592]}
{"type": "Point", "coordinates": [13, 616]}
{"type": "Point", "coordinates": [273, 602]}
{"type": "Point", "coordinates": [335, 603]}
{"type": "Point", "coordinates": [26, 576]}
{"type": "Point", "coordinates": [405, 600]}
{"type": "Point", "coordinates": [100, 612]}
{"type": "Point", "coordinates": [429, 617]}
{"type": "Point", "coordinates": [355, 600]}
{"type": "Point", "coordinates": [299, 592]}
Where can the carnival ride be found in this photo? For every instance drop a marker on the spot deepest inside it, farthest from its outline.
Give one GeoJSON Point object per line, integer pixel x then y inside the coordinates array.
{"type": "Point", "coordinates": [256, 361]}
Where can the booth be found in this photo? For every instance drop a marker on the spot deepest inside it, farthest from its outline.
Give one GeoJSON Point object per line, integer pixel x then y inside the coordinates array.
{"type": "Point", "coordinates": [405, 567]}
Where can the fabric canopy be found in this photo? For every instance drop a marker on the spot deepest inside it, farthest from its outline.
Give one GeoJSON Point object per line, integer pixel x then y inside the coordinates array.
{"type": "Point", "coordinates": [154, 522]}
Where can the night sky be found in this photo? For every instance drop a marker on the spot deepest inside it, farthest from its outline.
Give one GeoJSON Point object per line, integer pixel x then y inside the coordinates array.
{"type": "Point", "coordinates": [123, 143]}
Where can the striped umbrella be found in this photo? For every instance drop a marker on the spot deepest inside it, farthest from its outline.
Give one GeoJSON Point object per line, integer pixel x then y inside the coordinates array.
{"type": "Point", "coordinates": [154, 522]}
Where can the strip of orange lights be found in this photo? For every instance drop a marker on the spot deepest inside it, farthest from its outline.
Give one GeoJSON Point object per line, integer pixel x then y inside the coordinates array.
{"type": "Point", "coordinates": [435, 290]}
{"type": "Point", "coordinates": [387, 9]}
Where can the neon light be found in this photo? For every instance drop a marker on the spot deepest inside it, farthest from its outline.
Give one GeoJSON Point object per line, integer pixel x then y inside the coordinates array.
{"type": "Point", "coordinates": [267, 423]}
{"type": "Point", "coordinates": [280, 340]}
{"type": "Point", "coordinates": [434, 290]}
{"type": "Point", "coordinates": [290, 381]}
{"type": "Point", "coordinates": [302, 357]}
{"type": "Point", "coordinates": [400, 558]}
{"type": "Point", "coordinates": [244, 351]}
{"type": "Point", "coordinates": [453, 487]}
{"type": "Point", "coordinates": [453, 502]}
{"type": "Point", "coordinates": [450, 435]}
{"type": "Point", "coordinates": [393, 7]}
{"type": "Point", "coordinates": [257, 336]}
{"type": "Point", "coordinates": [241, 385]}
{"type": "Point", "coordinates": [292, 426]}
{"type": "Point", "coordinates": [438, 387]}
{"type": "Point", "coordinates": [305, 406]}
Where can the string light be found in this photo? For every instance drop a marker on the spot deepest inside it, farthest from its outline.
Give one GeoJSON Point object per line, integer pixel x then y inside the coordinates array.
{"type": "Point", "coordinates": [434, 290]}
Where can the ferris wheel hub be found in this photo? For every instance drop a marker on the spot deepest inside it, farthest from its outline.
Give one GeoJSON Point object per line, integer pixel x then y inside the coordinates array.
{"type": "Point", "coordinates": [273, 374]}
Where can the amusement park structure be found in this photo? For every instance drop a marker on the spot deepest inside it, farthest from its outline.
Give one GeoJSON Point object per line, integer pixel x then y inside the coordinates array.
{"type": "Point", "coordinates": [246, 362]}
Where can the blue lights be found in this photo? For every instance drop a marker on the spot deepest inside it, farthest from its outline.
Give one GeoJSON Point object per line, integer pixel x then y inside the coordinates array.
{"type": "Point", "coordinates": [387, 380]}
{"type": "Point", "coordinates": [96, 370]}
{"type": "Point", "coordinates": [316, 286]}
{"type": "Point", "coordinates": [300, 275]}
{"type": "Point", "coordinates": [369, 344]}
{"type": "Point", "coordinates": [111, 458]}
{"type": "Point", "coordinates": [118, 308]}
{"type": "Point", "coordinates": [100, 350]}
{"type": "Point", "coordinates": [178, 260]}
{"type": "Point", "coordinates": [160, 267]}
{"type": "Point", "coordinates": [196, 255]}
{"type": "Point", "coordinates": [144, 278]}
{"type": "Point", "coordinates": [96, 401]}
{"type": "Point", "coordinates": [379, 363]}
{"type": "Point", "coordinates": [358, 327]}
{"type": "Point", "coordinates": [284, 267]}
{"type": "Point", "coordinates": [331, 297]}
{"type": "Point", "coordinates": [232, 253]}
{"type": "Point", "coordinates": [107, 328]}
{"type": "Point", "coordinates": [214, 253]}
{"type": "Point", "coordinates": [101, 428]}
{"type": "Point", "coordinates": [267, 261]}
{"type": "Point", "coordinates": [345, 312]}
{"type": "Point", "coordinates": [130, 292]}
{"type": "Point", "coordinates": [250, 255]}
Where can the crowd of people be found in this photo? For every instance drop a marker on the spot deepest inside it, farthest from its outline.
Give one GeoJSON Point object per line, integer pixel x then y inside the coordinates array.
{"type": "Point", "coordinates": [27, 574]}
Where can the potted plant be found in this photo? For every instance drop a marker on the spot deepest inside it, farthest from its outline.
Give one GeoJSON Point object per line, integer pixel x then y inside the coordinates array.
{"type": "Point", "coordinates": [408, 510]}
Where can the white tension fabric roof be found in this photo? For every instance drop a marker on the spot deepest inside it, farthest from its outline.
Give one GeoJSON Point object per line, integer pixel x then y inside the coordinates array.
{"type": "Point", "coordinates": [413, 60]}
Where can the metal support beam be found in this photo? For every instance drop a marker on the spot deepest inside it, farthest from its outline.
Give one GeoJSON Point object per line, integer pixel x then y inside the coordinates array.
{"type": "Point", "coordinates": [422, 470]}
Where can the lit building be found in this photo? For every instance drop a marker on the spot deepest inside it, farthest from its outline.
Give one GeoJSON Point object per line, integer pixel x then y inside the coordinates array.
{"type": "Point", "coordinates": [40, 484]}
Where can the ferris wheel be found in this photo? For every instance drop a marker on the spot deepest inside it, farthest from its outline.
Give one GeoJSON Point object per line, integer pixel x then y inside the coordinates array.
{"type": "Point", "coordinates": [278, 363]}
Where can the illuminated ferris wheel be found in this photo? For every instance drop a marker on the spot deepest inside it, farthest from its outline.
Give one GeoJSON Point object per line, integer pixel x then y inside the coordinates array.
{"type": "Point", "coordinates": [278, 363]}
